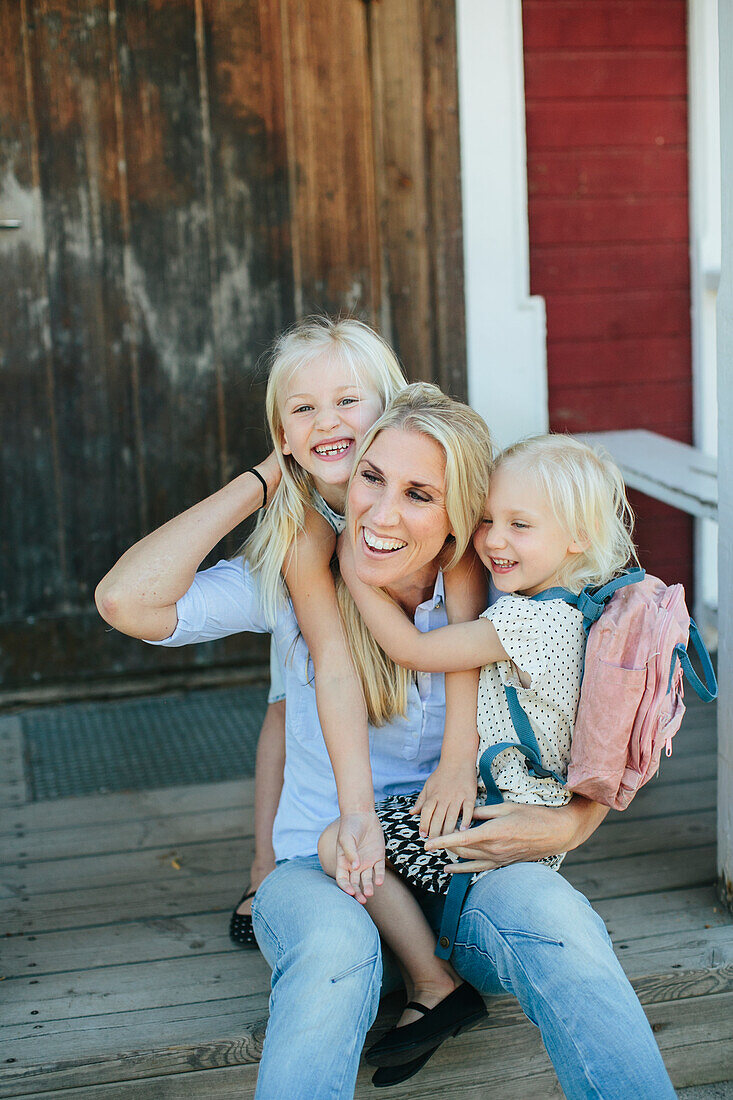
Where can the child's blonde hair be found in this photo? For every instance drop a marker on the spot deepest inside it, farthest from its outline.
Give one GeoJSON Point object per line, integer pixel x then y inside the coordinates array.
{"type": "Point", "coordinates": [588, 498]}
{"type": "Point", "coordinates": [466, 443]}
{"type": "Point", "coordinates": [372, 363]}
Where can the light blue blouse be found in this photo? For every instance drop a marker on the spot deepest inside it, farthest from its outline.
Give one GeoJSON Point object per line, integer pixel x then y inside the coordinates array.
{"type": "Point", "coordinates": [225, 600]}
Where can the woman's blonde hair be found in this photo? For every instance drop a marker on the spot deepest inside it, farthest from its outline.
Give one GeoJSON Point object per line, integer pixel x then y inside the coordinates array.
{"type": "Point", "coordinates": [466, 444]}
{"type": "Point", "coordinates": [373, 363]}
{"type": "Point", "coordinates": [588, 498]}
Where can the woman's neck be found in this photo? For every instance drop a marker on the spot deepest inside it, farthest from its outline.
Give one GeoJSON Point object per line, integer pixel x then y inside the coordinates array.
{"type": "Point", "coordinates": [415, 589]}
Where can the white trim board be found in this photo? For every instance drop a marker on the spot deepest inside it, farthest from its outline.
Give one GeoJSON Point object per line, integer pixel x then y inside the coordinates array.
{"type": "Point", "coordinates": [663, 468]}
{"type": "Point", "coordinates": [505, 325]}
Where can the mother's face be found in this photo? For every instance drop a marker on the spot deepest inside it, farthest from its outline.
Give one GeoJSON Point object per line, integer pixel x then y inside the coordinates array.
{"type": "Point", "coordinates": [398, 523]}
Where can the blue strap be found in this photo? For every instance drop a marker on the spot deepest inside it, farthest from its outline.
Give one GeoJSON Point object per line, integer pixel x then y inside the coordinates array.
{"type": "Point", "coordinates": [707, 691]}
{"type": "Point", "coordinates": [454, 899]}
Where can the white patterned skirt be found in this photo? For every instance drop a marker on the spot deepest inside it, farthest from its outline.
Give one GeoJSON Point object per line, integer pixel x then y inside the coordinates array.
{"type": "Point", "coordinates": [405, 848]}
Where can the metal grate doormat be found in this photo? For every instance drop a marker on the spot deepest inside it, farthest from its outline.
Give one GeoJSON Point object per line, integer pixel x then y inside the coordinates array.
{"type": "Point", "coordinates": [139, 744]}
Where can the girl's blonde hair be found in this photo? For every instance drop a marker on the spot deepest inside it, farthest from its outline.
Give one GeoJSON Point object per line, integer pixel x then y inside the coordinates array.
{"type": "Point", "coordinates": [373, 363]}
{"type": "Point", "coordinates": [588, 498]}
{"type": "Point", "coordinates": [466, 443]}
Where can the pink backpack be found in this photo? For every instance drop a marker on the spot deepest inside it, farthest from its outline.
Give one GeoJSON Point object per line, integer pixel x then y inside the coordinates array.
{"type": "Point", "coordinates": [631, 696]}
{"type": "Point", "coordinates": [631, 699]}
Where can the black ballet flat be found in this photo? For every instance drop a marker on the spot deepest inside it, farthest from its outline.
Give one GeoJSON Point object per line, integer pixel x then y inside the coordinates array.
{"type": "Point", "coordinates": [457, 1012]}
{"type": "Point", "coordinates": [241, 930]}
{"type": "Point", "coordinates": [395, 1075]}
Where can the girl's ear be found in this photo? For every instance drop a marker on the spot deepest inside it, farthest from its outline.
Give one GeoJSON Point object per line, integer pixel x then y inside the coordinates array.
{"type": "Point", "coordinates": [284, 445]}
{"type": "Point", "coordinates": [578, 546]}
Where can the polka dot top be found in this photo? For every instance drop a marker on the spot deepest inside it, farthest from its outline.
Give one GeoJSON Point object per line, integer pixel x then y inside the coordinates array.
{"type": "Point", "coordinates": [546, 643]}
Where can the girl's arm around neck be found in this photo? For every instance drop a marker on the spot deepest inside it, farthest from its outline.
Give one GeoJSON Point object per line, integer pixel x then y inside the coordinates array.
{"type": "Point", "coordinates": [138, 596]}
{"type": "Point", "coordinates": [453, 648]}
{"type": "Point", "coordinates": [449, 793]}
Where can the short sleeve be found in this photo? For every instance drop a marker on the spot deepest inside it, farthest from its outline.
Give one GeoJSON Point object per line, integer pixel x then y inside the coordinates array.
{"type": "Point", "coordinates": [521, 629]}
{"type": "Point", "coordinates": [222, 600]}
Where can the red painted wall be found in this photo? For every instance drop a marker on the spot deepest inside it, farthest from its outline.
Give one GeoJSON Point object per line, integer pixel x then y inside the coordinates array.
{"type": "Point", "coordinates": [606, 97]}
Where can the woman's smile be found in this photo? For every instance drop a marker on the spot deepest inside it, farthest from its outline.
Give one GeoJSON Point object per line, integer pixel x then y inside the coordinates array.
{"type": "Point", "coordinates": [397, 514]}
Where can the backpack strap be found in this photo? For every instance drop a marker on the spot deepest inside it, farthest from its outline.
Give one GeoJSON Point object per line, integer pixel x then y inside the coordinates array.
{"type": "Point", "coordinates": [591, 602]}
{"type": "Point", "coordinates": [707, 691]}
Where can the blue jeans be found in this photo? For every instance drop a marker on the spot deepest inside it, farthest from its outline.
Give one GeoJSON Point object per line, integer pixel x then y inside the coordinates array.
{"type": "Point", "coordinates": [524, 930]}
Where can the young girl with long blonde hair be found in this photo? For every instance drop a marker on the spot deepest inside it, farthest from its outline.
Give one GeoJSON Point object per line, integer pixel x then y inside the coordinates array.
{"type": "Point", "coordinates": [328, 382]}
{"type": "Point", "coordinates": [556, 518]}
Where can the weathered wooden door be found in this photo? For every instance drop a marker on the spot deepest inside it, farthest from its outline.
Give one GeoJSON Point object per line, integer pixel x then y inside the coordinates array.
{"type": "Point", "coordinates": [189, 176]}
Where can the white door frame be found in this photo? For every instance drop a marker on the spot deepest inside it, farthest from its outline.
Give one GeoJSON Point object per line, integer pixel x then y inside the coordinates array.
{"type": "Point", "coordinates": [704, 171]}
{"type": "Point", "coordinates": [505, 325]}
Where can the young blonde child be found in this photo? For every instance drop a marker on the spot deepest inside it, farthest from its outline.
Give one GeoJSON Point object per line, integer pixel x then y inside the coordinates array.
{"type": "Point", "coordinates": [328, 382]}
{"type": "Point", "coordinates": [556, 517]}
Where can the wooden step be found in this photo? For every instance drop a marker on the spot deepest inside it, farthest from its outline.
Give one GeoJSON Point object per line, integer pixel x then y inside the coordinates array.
{"type": "Point", "coordinates": [119, 979]}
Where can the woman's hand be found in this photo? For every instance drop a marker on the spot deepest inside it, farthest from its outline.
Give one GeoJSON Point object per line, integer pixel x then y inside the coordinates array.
{"type": "Point", "coordinates": [512, 833]}
{"type": "Point", "coordinates": [360, 854]}
{"type": "Point", "coordinates": [449, 794]}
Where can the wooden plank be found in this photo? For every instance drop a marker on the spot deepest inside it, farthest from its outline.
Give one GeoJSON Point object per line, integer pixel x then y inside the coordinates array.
{"type": "Point", "coordinates": [240, 74]}
{"type": "Point", "coordinates": [572, 221]}
{"type": "Point", "coordinates": [636, 918]}
{"type": "Point", "coordinates": [115, 869]}
{"type": "Point", "coordinates": [125, 806]}
{"type": "Point", "coordinates": [660, 871]}
{"type": "Point", "coordinates": [443, 158]}
{"type": "Point", "coordinates": [27, 383]}
{"type": "Point", "coordinates": [178, 936]}
{"type": "Point", "coordinates": [611, 173]}
{"type": "Point", "coordinates": [331, 163]}
{"type": "Point", "coordinates": [636, 837]}
{"type": "Point", "coordinates": [632, 266]}
{"type": "Point", "coordinates": [73, 995]}
{"type": "Point", "coordinates": [607, 24]}
{"type": "Point", "coordinates": [603, 124]}
{"type": "Point", "coordinates": [156, 899]}
{"type": "Point", "coordinates": [80, 181]}
{"type": "Point", "coordinates": [176, 830]}
{"type": "Point", "coordinates": [598, 362]}
{"type": "Point", "coordinates": [660, 799]}
{"type": "Point", "coordinates": [678, 474]}
{"type": "Point", "coordinates": [664, 408]}
{"type": "Point", "coordinates": [414, 80]}
{"type": "Point", "coordinates": [582, 316]}
{"type": "Point", "coordinates": [398, 80]}
{"type": "Point", "coordinates": [573, 74]}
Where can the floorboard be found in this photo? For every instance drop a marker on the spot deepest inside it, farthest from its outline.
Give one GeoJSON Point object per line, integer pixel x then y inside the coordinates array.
{"type": "Point", "coordinates": [119, 981]}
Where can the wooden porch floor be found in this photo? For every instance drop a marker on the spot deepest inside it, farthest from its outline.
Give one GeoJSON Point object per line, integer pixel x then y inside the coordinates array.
{"type": "Point", "coordinates": [119, 980]}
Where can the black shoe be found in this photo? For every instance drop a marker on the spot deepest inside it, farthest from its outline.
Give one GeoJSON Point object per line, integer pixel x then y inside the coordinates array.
{"type": "Point", "coordinates": [460, 1010]}
{"type": "Point", "coordinates": [395, 1075]}
{"type": "Point", "coordinates": [241, 931]}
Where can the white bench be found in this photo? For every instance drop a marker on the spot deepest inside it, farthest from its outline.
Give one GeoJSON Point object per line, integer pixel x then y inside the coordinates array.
{"type": "Point", "coordinates": [662, 468]}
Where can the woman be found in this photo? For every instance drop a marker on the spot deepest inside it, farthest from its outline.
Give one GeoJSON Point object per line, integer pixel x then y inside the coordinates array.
{"type": "Point", "coordinates": [523, 929]}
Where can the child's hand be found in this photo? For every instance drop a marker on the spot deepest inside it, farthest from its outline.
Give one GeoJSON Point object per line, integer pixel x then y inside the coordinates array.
{"type": "Point", "coordinates": [449, 794]}
{"type": "Point", "coordinates": [360, 854]}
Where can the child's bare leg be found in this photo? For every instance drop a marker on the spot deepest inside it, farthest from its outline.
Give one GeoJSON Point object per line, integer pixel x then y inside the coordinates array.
{"type": "Point", "coordinates": [269, 765]}
{"type": "Point", "coordinates": [403, 926]}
